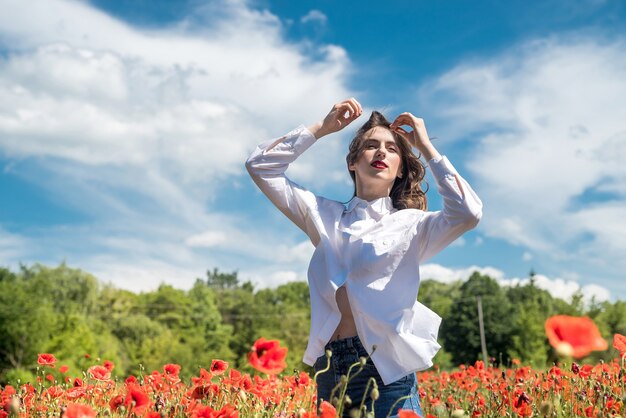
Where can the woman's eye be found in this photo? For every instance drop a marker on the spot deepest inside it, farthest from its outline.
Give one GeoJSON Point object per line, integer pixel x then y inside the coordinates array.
{"type": "Point", "coordinates": [392, 149]}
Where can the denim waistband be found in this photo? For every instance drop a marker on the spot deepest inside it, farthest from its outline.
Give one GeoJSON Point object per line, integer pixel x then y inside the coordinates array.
{"type": "Point", "coordinates": [338, 346]}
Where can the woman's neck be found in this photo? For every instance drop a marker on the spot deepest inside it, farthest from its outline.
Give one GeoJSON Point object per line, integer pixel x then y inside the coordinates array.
{"type": "Point", "coordinates": [372, 193]}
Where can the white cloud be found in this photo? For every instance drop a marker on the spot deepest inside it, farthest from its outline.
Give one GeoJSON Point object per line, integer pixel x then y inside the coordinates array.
{"type": "Point", "coordinates": [527, 256]}
{"type": "Point", "coordinates": [12, 247]}
{"type": "Point", "coordinates": [206, 239]}
{"type": "Point", "coordinates": [138, 129]}
{"type": "Point", "coordinates": [314, 16]}
{"type": "Point", "coordinates": [557, 287]}
{"type": "Point", "coordinates": [448, 275]}
{"type": "Point", "coordinates": [549, 116]}
{"type": "Point", "coordinates": [562, 288]}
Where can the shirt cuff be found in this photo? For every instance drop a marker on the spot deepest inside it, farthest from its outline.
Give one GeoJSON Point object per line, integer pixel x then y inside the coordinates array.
{"type": "Point", "coordinates": [442, 167]}
{"type": "Point", "coordinates": [299, 139]}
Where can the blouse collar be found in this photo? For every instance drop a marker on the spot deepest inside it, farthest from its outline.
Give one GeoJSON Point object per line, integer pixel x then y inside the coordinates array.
{"type": "Point", "coordinates": [381, 206]}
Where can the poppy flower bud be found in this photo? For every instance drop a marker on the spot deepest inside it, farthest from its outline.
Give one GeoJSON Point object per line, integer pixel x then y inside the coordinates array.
{"type": "Point", "coordinates": [545, 409]}
{"type": "Point", "coordinates": [458, 413]}
{"type": "Point", "coordinates": [347, 401]}
{"type": "Point", "coordinates": [242, 395]}
{"type": "Point", "coordinates": [575, 368]}
{"type": "Point", "coordinates": [564, 349]}
{"type": "Point", "coordinates": [329, 354]}
{"type": "Point", "coordinates": [362, 360]}
{"type": "Point", "coordinates": [354, 413]}
{"type": "Point", "coordinates": [343, 379]}
{"type": "Point", "coordinates": [14, 406]}
{"type": "Point", "coordinates": [374, 394]}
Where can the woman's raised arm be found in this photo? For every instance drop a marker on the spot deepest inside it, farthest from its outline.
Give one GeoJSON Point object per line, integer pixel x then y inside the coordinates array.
{"type": "Point", "coordinates": [270, 160]}
{"type": "Point", "coordinates": [341, 115]}
{"type": "Point", "coordinates": [462, 208]}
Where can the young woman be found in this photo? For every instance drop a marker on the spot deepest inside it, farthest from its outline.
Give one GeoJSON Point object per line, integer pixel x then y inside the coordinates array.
{"type": "Point", "coordinates": [364, 273]}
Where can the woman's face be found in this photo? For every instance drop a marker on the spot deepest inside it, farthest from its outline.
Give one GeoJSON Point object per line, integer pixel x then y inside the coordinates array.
{"type": "Point", "coordinates": [380, 160]}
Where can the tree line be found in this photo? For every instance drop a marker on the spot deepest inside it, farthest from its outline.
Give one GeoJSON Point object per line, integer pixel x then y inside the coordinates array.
{"type": "Point", "coordinates": [68, 312]}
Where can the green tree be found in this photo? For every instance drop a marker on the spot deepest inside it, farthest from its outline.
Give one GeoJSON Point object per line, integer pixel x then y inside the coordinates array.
{"type": "Point", "coordinates": [288, 304]}
{"type": "Point", "coordinates": [26, 324]}
{"type": "Point", "coordinates": [460, 330]}
{"type": "Point", "coordinates": [439, 296]}
{"type": "Point", "coordinates": [220, 281]}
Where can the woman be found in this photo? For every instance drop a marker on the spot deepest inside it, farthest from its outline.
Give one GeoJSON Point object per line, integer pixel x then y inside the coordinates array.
{"type": "Point", "coordinates": [364, 273]}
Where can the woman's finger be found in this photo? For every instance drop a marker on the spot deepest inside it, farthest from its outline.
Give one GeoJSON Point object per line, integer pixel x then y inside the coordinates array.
{"type": "Point", "coordinates": [401, 120]}
{"type": "Point", "coordinates": [341, 109]}
{"type": "Point", "coordinates": [356, 105]}
{"type": "Point", "coordinates": [352, 109]}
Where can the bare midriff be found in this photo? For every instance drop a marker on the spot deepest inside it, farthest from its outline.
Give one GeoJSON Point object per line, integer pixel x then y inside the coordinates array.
{"type": "Point", "coordinates": [346, 327]}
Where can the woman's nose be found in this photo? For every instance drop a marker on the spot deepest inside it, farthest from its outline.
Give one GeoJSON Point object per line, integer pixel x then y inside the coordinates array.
{"type": "Point", "coordinates": [380, 151]}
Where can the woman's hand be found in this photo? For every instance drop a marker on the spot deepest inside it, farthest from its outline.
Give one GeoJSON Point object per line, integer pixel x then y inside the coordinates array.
{"type": "Point", "coordinates": [341, 115]}
{"type": "Point", "coordinates": [417, 137]}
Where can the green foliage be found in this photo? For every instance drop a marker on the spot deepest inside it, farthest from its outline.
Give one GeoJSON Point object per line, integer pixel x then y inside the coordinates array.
{"type": "Point", "coordinates": [19, 375]}
{"type": "Point", "coordinates": [439, 296]}
{"type": "Point", "coordinates": [26, 324]}
{"type": "Point", "coordinates": [69, 313]}
{"type": "Point", "coordinates": [461, 332]}
{"type": "Point", "coordinates": [289, 305]}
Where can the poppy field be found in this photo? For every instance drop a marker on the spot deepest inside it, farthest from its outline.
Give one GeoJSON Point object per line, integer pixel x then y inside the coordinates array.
{"type": "Point", "coordinates": [566, 389]}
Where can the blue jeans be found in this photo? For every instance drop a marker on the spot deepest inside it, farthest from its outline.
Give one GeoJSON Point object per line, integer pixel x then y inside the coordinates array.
{"type": "Point", "coordinates": [347, 352]}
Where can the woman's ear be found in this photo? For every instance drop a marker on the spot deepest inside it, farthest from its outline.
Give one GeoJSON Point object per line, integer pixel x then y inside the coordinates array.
{"type": "Point", "coordinates": [351, 167]}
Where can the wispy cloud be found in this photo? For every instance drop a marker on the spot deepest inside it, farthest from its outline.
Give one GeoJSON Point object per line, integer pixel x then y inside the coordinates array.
{"type": "Point", "coordinates": [139, 128]}
{"type": "Point", "coordinates": [558, 287]}
{"type": "Point", "coordinates": [548, 118]}
{"type": "Point", "coordinates": [314, 16]}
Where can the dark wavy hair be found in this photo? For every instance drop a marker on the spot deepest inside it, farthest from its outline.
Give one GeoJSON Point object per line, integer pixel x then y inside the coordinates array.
{"type": "Point", "coordinates": [406, 192]}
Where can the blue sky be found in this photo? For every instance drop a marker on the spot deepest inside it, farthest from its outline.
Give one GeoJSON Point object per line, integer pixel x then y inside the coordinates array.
{"type": "Point", "coordinates": [124, 126]}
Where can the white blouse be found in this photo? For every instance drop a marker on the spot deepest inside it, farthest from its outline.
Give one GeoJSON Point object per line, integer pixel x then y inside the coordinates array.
{"type": "Point", "coordinates": [372, 249]}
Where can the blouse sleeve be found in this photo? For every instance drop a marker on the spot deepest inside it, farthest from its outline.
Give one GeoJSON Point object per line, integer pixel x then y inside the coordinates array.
{"type": "Point", "coordinates": [462, 210]}
{"type": "Point", "coordinates": [267, 166]}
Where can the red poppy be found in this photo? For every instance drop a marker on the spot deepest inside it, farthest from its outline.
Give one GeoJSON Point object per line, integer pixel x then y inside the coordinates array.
{"type": "Point", "coordinates": [267, 356]}
{"type": "Point", "coordinates": [327, 410]}
{"type": "Point", "coordinates": [99, 373]}
{"type": "Point", "coordinates": [54, 391]}
{"type": "Point", "coordinates": [46, 359]}
{"type": "Point", "coordinates": [574, 336]}
{"type": "Point", "coordinates": [200, 392]}
{"type": "Point", "coordinates": [75, 392]}
{"type": "Point", "coordinates": [109, 365]}
{"type": "Point", "coordinates": [218, 366]}
{"type": "Point", "coordinates": [116, 402]}
{"type": "Point", "coordinates": [171, 369]}
{"type": "Point", "coordinates": [403, 413]}
{"type": "Point", "coordinates": [64, 368]}
{"type": "Point", "coordinates": [227, 411]}
{"type": "Point", "coordinates": [76, 410]}
{"type": "Point", "coordinates": [205, 377]}
{"type": "Point", "coordinates": [137, 399]}
{"type": "Point", "coordinates": [619, 342]}
{"type": "Point", "coordinates": [49, 378]}
{"type": "Point", "coordinates": [203, 412]}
